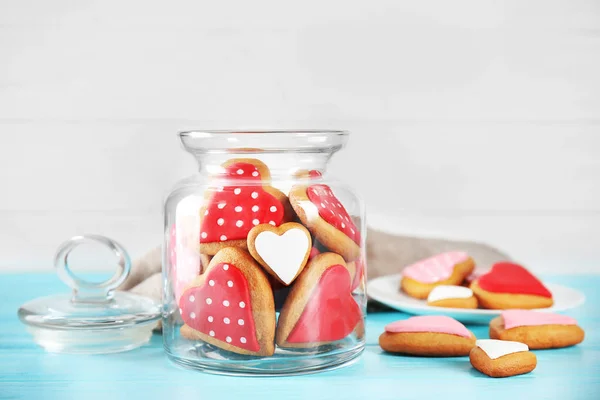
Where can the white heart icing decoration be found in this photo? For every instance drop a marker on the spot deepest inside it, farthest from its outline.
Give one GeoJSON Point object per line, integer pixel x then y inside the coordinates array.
{"type": "Point", "coordinates": [444, 292]}
{"type": "Point", "coordinates": [498, 348]}
{"type": "Point", "coordinates": [283, 254]}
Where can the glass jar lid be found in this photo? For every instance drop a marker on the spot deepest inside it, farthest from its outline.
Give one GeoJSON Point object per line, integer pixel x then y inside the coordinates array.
{"type": "Point", "coordinates": [94, 318]}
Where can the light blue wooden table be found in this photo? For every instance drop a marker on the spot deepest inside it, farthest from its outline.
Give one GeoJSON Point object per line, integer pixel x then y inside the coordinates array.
{"type": "Point", "coordinates": [27, 372]}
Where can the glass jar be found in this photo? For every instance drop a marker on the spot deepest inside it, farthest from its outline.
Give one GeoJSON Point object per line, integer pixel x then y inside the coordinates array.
{"type": "Point", "coordinates": [264, 261]}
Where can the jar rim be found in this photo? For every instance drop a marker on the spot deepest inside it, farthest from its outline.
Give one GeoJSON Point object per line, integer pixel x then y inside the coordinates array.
{"type": "Point", "coordinates": [269, 141]}
{"type": "Point", "coordinates": [211, 132]}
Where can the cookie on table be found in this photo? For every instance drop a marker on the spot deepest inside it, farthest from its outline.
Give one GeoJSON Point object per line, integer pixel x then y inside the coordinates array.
{"type": "Point", "coordinates": [233, 209]}
{"type": "Point", "coordinates": [320, 308]}
{"type": "Point", "coordinates": [327, 219]}
{"type": "Point", "coordinates": [452, 296]}
{"type": "Point", "coordinates": [430, 335]}
{"type": "Point", "coordinates": [500, 359]}
{"type": "Point", "coordinates": [231, 305]}
{"type": "Point", "coordinates": [451, 268]}
{"type": "Point", "coordinates": [538, 330]}
{"type": "Point", "coordinates": [283, 251]}
{"type": "Point", "coordinates": [508, 285]}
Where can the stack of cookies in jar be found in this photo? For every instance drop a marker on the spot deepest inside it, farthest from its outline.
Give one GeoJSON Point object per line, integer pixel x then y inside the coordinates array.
{"type": "Point", "coordinates": [275, 269]}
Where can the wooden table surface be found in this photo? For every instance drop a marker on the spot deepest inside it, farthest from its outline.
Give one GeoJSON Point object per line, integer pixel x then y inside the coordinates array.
{"type": "Point", "coordinates": [27, 372]}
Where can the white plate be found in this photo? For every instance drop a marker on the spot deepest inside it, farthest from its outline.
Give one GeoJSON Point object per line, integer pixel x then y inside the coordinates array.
{"type": "Point", "coordinates": [385, 289]}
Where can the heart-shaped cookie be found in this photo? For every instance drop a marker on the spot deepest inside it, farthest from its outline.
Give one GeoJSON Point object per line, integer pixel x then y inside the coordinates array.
{"type": "Point", "coordinates": [325, 216]}
{"type": "Point", "coordinates": [516, 318]}
{"type": "Point", "coordinates": [429, 323]}
{"type": "Point", "coordinates": [232, 210]}
{"type": "Point", "coordinates": [507, 277]}
{"type": "Point", "coordinates": [231, 305]}
{"type": "Point", "coordinates": [320, 308]}
{"type": "Point", "coordinates": [282, 251]}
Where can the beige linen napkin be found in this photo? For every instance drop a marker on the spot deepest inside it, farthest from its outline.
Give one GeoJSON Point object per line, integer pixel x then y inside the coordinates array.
{"type": "Point", "coordinates": [386, 254]}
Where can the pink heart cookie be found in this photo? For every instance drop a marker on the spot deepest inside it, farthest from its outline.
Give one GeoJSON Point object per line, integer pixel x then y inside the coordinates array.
{"type": "Point", "coordinates": [429, 323]}
{"type": "Point", "coordinates": [436, 268]}
{"type": "Point", "coordinates": [431, 335]}
{"type": "Point", "coordinates": [515, 318]}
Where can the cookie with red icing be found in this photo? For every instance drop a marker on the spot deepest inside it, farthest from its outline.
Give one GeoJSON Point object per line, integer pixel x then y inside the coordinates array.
{"type": "Point", "coordinates": [538, 330]}
{"type": "Point", "coordinates": [500, 358]}
{"type": "Point", "coordinates": [320, 308]}
{"type": "Point", "coordinates": [283, 251]}
{"type": "Point", "coordinates": [429, 335]}
{"type": "Point", "coordinates": [308, 174]}
{"type": "Point", "coordinates": [325, 216]}
{"type": "Point", "coordinates": [509, 285]}
{"type": "Point", "coordinates": [246, 199]}
{"type": "Point", "coordinates": [231, 305]}
{"type": "Point", "coordinates": [357, 271]}
{"type": "Point", "coordinates": [450, 268]}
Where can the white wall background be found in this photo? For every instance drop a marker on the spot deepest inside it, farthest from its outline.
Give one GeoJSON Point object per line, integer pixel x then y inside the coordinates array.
{"type": "Point", "coordinates": [485, 114]}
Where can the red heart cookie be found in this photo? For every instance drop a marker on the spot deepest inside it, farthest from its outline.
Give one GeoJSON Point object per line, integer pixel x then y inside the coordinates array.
{"type": "Point", "coordinates": [327, 219]}
{"type": "Point", "coordinates": [507, 277]}
{"type": "Point", "coordinates": [308, 174]}
{"type": "Point", "coordinates": [332, 211]}
{"type": "Point", "coordinates": [233, 210]}
{"type": "Point", "coordinates": [231, 306]}
{"type": "Point", "coordinates": [357, 270]}
{"type": "Point", "coordinates": [320, 308]}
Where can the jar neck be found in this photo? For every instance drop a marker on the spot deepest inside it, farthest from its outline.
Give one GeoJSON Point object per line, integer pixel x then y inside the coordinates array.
{"type": "Point", "coordinates": [286, 153]}
{"type": "Point", "coordinates": [282, 166]}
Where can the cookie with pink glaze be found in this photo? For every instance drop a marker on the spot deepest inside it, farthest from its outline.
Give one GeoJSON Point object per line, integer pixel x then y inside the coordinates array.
{"type": "Point", "coordinates": [538, 330]}
{"type": "Point", "coordinates": [500, 359]}
{"type": "Point", "coordinates": [435, 336]}
{"type": "Point", "coordinates": [451, 268]}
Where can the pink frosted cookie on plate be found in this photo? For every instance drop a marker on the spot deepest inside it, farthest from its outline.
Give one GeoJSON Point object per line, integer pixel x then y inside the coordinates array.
{"type": "Point", "coordinates": [500, 359]}
{"type": "Point", "coordinates": [451, 268]}
{"type": "Point", "coordinates": [538, 330]}
{"type": "Point", "coordinates": [437, 336]}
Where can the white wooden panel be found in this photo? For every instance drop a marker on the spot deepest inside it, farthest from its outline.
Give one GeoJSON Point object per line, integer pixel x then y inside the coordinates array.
{"type": "Point", "coordinates": [245, 63]}
{"type": "Point", "coordinates": [434, 167]}
{"type": "Point", "coordinates": [471, 119]}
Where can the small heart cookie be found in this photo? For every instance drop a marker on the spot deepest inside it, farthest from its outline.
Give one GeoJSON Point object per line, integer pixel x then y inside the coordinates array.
{"type": "Point", "coordinates": [509, 285]}
{"type": "Point", "coordinates": [283, 251]}
{"type": "Point", "coordinates": [428, 335]}
{"type": "Point", "coordinates": [450, 268]}
{"type": "Point", "coordinates": [320, 308]}
{"type": "Point", "coordinates": [231, 306]}
{"type": "Point", "coordinates": [325, 216]}
{"type": "Point", "coordinates": [452, 296]}
{"type": "Point", "coordinates": [232, 210]}
{"type": "Point", "coordinates": [500, 358]}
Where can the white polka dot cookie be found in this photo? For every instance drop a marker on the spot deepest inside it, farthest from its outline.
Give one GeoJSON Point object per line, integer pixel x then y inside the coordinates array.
{"type": "Point", "coordinates": [325, 216]}
{"type": "Point", "coordinates": [450, 268]}
{"type": "Point", "coordinates": [283, 251]}
{"type": "Point", "coordinates": [231, 306]}
{"type": "Point", "coordinates": [320, 308]}
{"type": "Point", "coordinates": [501, 358]}
{"type": "Point", "coordinates": [234, 209]}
